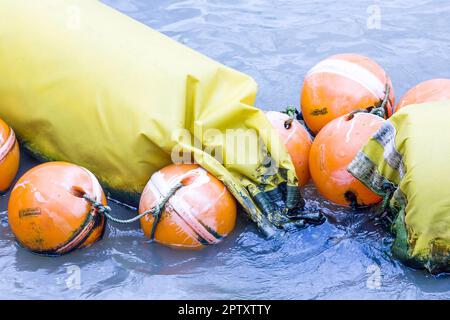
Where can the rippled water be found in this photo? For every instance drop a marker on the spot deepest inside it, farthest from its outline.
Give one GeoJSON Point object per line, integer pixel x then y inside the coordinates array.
{"type": "Point", "coordinates": [276, 42]}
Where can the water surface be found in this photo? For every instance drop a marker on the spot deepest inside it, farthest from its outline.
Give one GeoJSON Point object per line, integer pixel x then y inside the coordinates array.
{"type": "Point", "coordinates": [276, 42]}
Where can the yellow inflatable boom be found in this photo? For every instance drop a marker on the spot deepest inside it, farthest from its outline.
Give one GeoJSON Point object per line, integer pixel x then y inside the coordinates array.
{"type": "Point", "coordinates": [408, 163]}
{"type": "Point", "coordinates": [81, 82]}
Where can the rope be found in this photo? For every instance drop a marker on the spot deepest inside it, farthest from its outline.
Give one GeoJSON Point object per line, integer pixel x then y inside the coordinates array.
{"type": "Point", "coordinates": [385, 100]}
{"type": "Point", "coordinates": [382, 110]}
{"type": "Point", "coordinates": [155, 211]}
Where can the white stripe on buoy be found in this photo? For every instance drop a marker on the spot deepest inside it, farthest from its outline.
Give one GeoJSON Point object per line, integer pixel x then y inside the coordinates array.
{"type": "Point", "coordinates": [8, 145]}
{"type": "Point", "coordinates": [353, 72]}
{"type": "Point", "coordinates": [160, 187]}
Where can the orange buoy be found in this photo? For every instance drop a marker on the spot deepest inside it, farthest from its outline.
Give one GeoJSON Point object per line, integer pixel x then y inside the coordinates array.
{"type": "Point", "coordinates": [200, 213]}
{"type": "Point", "coordinates": [47, 212]}
{"type": "Point", "coordinates": [341, 84]}
{"type": "Point", "coordinates": [427, 91]}
{"type": "Point", "coordinates": [297, 141]}
{"type": "Point", "coordinates": [333, 150]}
{"type": "Point", "coordinates": [9, 156]}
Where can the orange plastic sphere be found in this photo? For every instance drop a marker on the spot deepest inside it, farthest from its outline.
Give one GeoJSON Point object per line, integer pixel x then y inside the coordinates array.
{"type": "Point", "coordinates": [47, 213]}
{"type": "Point", "coordinates": [297, 141]}
{"type": "Point", "coordinates": [428, 91]}
{"type": "Point", "coordinates": [341, 84]}
{"type": "Point", "coordinates": [200, 213]}
{"type": "Point", "coordinates": [9, 156]}
{"type": "Point", "coordinates": [333, 150]}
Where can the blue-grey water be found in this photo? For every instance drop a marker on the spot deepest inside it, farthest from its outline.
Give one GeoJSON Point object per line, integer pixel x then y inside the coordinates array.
{"type": "Point", "coordinates": [276, 42]}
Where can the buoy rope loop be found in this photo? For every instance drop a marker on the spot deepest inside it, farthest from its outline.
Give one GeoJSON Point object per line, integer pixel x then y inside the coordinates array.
{"type": "Point", "coordinates": [380, 111]}
{"type": "Point", "coordinates": [155, 211]}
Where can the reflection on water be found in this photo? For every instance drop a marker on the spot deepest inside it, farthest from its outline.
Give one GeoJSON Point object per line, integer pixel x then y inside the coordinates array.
{"type": "Point", "coordinates": [276, 42]}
